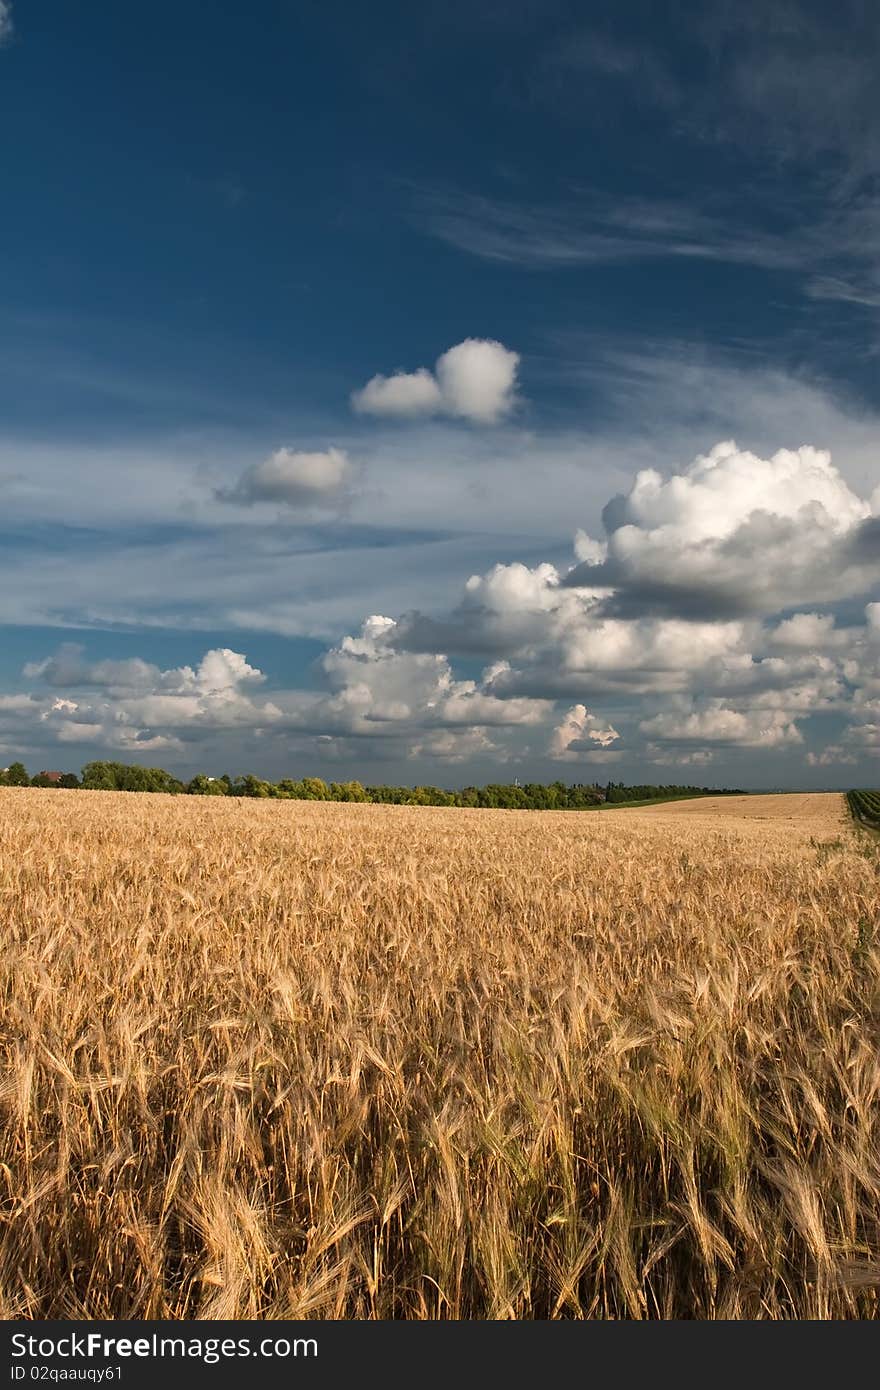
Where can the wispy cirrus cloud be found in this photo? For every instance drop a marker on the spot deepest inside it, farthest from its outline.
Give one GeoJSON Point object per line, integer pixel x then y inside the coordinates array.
{"type": "Point", "coordinates": [785, 92]}
{"type": "Point", "coordinates": [794, 81]}
{"type": "Point", "coordinates": [828, 246]}
{"type": "Point", "coordinates": [591, 227]}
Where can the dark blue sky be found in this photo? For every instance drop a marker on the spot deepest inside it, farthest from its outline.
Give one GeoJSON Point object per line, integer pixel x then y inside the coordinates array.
{"type": "Point", "coordinates": [243, 203]}
{"type": "Point", "coordinates": [220, 222]}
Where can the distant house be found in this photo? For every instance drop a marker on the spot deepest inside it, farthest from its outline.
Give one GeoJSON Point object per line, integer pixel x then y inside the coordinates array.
{"type": "Point", "coordinates": [51, 776]}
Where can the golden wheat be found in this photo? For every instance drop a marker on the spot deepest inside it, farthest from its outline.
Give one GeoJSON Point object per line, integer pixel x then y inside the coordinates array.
{"type": "Point", "coordinates": [284, 1059]}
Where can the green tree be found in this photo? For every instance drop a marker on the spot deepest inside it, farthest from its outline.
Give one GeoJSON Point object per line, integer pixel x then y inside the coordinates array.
{"type": "Point", "coordinates": [126, 777]}
{"type": "Point", "coordinates": [202, 785]}
{"type": "Point", "coordinates": [249, 785]}
{"type": "Point", "coordinates": [99, 776]}
{"type": "Point", "coordinates": [315, 789]}
{"type": "Point", "coordinates": [288, 789]}
{"type": "Point", "coordinates": [347, 791]}
{"type": "Point", "coordinates": [16, 775]}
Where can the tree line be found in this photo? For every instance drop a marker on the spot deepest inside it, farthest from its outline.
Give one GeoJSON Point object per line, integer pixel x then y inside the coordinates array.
{"type": "Point", "coordinates": [533, 796]}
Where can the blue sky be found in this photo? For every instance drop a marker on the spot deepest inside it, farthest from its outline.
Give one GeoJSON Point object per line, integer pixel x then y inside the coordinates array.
{"type": "Point", "coordinates": [312, 314]}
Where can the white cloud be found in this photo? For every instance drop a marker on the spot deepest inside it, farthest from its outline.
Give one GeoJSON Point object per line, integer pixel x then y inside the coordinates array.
{"type": "Point", "coordinates": [164, 552]}
{"type": "Point", "coordinates": [661, 648]}
{"type": "Point", "coordinates": [17, 704]}
{"type": "Point", "coordinates": [580, 734]}
{"type": "Point", "coordinates": [711, 498]}
{"type": "Point", "coordinates": [457, 746]}
{"type": "Point", "coordinates": [718, 724]}
{"type": "Point", "coordinates": [734, 533]}
{"type": "Point", "coordinates": [63, 706]}
{"type": "Point", "coordinates": [68, 667]}
{"type": "Point", "coordinates": [410, 702]}
{"type": "Point", "coordinates": [6, 25]}
{"type": "Point", "coordinates": [513, 588]}
{"type": "Point", "coordinates": [562, 637]}
{"type": "Point", "coordinates": [293, 477]}
{"type": "Point", "coordinates": [833, 755]}
{"type": "Point", "coordinates": [678, 631]}
{"type": "Point", "coordinates": [676, 757]}
{"type": "Point", "coordinates": [405, 394]}
{"type": "Point", "coordinates": [475, 380]}
{"type": "Point", "coordinates": [141, 707]}
{"type": "Point", "coordinates": [866, 737]}
{"type": "Point", "coordinates": [116, 737]}
{"type": "Point", "coordinates": [220, 671]}
{"type": "Point", "coordinates": [589, 551]}
{"type": "Point", "coordinates": [382, 697]}
{"type": "Point", "coordinates": [717, 674]}
{"type": "Point", "coordinates": [599, 229]}
{"type": "Point", "coordinates": [374, 683]}
{"type": "Point", "coordinates": [809, 632]}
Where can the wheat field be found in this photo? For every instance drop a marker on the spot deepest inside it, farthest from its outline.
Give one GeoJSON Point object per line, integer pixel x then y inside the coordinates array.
{"type": "Point", "coordinates": [289, 1059]}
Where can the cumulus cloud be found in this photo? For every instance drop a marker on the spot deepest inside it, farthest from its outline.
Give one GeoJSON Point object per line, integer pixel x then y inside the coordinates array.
{"type": "Point", "coordinates": [580, 734]}
{"type": "Point", "coordinates": [512, 610]}
{"type": "Point", "coordinates": [374, 694]}
{"type": "Point", "coordinates": [457, 746]}
{"type": "Point", "coordinates": [866, 736]}
{"type": "Point", "coordinates": [17, 704]}
{"type": "Point", "coordinates": [375, 683]}
{"type": "Point", "coordinates": [69, 667]}
{"type": "Point", "coordinates": [475, 380]}
{"type": "Point", "coordinates": [564, 640]}
{"type": "Point", "coordinates": [221, 670]}
{"type": "Point", "coordinates": [718, 724]}
{"type": "Point", "coordinates": [405, 394]}
{"type": "Point", "coordinates": [684, 608]}
{"type": "Point", "coordinates": [588, 550]}
{"type": "Point", "coordinates": [141, 707]}
{"type": "Point", "coordinates": [294, 478]}
{"type": "Point", "coordinates": [659, 756]}
{"type": "Point", "coordinates": [735, 534]}
{"type": "Point", "coordinates": [872, 614]}
{"type": "Point", "coordinates": [833, 755]}
{"type": "Point", "coordinates": [810, 632]}
{"type": "Point", "coordinates": [679, 639]}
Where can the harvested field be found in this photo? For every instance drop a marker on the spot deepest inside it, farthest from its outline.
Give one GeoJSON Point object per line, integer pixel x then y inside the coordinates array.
{"type": "Point", "coordinates": [821, 813]}
{"type": "Point", "coordinates": [298, 1059]}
